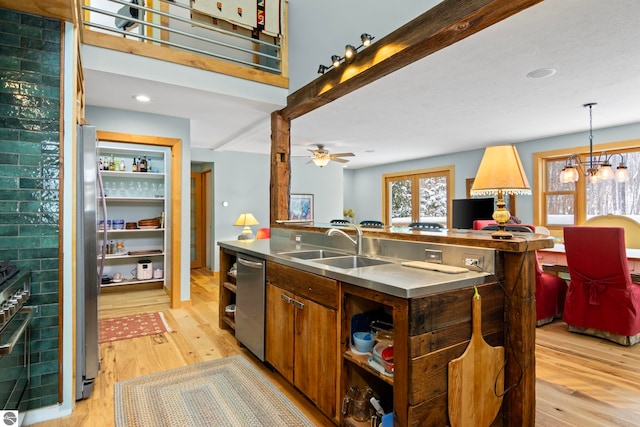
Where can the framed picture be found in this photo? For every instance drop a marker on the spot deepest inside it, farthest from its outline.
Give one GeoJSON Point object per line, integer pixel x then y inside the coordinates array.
{"type": "Point", "coordinates": [301, 207]}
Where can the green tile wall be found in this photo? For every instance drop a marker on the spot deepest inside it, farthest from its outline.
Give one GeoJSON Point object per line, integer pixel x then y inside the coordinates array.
{"type": "Point", "coordinates": [30, 178]}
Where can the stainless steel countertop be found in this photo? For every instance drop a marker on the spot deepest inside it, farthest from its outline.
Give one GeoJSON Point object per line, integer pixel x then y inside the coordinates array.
{"type": "Point", "coordinates": [392, 279]}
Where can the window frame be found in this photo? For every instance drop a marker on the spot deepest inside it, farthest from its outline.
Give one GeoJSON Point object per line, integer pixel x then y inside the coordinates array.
{"type": "Point", "coordinates": [414, 176]}
{"type": "Point", "coordinates": [540, 160]}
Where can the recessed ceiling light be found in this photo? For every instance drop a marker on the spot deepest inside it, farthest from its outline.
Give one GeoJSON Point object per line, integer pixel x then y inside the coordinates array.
{"type": "Point", "coordinates": [541, 73]}
{"type": "Point", "coordinates": [142, 98]}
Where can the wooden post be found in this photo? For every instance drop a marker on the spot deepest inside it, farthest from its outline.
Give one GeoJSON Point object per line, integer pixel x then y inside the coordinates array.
{"type": "Point", "coordinates": [280, 166]}
{"type": "Point", "coordinates": [519, 406]}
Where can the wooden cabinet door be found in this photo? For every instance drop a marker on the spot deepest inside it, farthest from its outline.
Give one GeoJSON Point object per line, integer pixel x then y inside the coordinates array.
{"type": "Point", "coordinates": [316, 355]}
{"type": "Point", "coordinates": [279, 340]}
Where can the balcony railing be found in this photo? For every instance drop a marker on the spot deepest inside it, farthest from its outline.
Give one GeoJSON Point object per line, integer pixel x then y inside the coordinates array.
{"type": "Point", "coordinates": [174, 31]}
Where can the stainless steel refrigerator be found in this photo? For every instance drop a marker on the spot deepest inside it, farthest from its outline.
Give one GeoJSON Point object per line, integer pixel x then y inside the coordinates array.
{"type": "Point", "coordinates": [88, 272]}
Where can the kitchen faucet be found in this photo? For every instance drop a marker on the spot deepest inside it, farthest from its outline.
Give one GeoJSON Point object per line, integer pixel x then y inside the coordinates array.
{"type": "Point", "coordinates": [357, 241]}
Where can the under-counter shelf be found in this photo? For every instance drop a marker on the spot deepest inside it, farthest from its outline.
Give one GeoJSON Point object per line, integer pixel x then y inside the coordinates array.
{"type": "Point", "coordinates": [229, 321]}
{"type": "Point", "coordinates": [352, 422]}
{"type": "Point", "coordinates": [231, 286]}
{"type": "Point", "coordinates": [363, 362]}
{"type": "Point", "coordinates": [227, 288]}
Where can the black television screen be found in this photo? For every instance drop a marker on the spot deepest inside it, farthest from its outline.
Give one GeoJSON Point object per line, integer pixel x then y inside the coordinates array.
{"type": "Point", "coordinates": [465, 211]}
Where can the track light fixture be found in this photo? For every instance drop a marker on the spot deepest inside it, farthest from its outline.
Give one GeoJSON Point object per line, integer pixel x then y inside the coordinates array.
{"type": "Point", "coordinates": [366, 39]}
{"type": "Point", "coordinates": [350, 53]}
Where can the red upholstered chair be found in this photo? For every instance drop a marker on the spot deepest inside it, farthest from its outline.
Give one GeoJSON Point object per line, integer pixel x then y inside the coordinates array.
{"type": "Point", "coordinates": [550, 295]}
{"type": "Point", "coordinates": [601, 300]}
{"type": "Point", "coordinates": [263, 233]}
{"type": "Point", "coordinates": [550, 289]}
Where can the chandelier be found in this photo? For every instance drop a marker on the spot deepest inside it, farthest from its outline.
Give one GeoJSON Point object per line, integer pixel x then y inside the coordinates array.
{"type": "Point", "coordinates": [597, 168]}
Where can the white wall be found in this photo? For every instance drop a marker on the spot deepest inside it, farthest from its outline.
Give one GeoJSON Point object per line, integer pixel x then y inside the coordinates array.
{"type": "Point", "coordinates": [363, 189]}
{"type": "Point", "coordinates": [241, 180]}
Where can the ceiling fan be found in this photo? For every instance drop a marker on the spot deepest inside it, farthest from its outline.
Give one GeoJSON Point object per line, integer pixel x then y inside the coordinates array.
{"type": "Point", "coordinates": [321, 157]}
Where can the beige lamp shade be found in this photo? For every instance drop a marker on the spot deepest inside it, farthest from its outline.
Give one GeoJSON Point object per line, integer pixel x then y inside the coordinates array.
{"type": "Point", "coordinates": [245, 220]}
{"type": "Point", "coordinates": [500, 170]}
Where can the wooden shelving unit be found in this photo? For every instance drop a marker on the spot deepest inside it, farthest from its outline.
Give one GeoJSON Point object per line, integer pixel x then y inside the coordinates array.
{"type": "Point", "coordinates": [227, 291]}
{"type": "Point", "coordinates": [132, 197]}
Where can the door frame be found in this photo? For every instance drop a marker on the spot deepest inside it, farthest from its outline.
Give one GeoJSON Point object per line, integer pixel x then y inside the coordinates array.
{"type": "Point", "coordinates": [175, 198]}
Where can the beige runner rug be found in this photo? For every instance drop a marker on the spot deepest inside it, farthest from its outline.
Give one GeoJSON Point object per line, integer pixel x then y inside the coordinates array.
{"type": "Point", "coordinates": [227, 392]}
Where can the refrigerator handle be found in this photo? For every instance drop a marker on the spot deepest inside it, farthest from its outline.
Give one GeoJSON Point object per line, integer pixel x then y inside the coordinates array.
{"type": "Point", "coordinates": [103, 205]}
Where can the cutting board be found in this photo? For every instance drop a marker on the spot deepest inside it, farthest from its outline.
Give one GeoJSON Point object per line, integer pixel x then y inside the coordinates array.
{"type": "Point", "coordinates": [473, 400]}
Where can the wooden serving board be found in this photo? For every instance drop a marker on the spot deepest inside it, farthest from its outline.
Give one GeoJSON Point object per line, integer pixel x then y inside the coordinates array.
{"type": "Point", "coordinates": [476, 379]}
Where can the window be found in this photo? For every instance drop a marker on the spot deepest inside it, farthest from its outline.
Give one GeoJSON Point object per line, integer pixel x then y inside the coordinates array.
{"type": "Point", "coordinates": [417, 196]}
{"type": "Point", "coordinates": [559, 198]}
{"type": "Point", "coordinates": [558, 204]}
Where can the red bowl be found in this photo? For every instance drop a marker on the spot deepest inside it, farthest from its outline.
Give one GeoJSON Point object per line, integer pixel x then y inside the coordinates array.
{"type": "Point", "coordinates": [387, 358]}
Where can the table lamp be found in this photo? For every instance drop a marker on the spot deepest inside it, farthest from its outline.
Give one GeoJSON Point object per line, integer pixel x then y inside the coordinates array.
{"type": "Point", "coordinates": [245, 220]}
{"type": "Point", "coordinates": [500, 173]}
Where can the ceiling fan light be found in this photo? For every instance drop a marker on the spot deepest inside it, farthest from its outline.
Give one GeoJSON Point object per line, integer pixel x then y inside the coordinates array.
{"type": "Point", "coordinates": [321, 161]}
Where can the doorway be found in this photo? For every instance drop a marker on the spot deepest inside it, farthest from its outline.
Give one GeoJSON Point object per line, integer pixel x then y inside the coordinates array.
{"type": "Point", "coordinates": [173, 263]}
{"type": "Point", "coordinates": [201, 195]}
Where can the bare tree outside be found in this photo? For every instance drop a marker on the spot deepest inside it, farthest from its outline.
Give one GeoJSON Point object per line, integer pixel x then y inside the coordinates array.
{"type": "Point", "coordinates": [602, 198]}
{"type": "Point", "coordinates": [619, 198]}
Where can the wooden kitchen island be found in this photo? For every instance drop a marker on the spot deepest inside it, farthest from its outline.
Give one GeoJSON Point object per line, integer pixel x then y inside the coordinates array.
{"type": "Point", "coordinates": [429, 330]}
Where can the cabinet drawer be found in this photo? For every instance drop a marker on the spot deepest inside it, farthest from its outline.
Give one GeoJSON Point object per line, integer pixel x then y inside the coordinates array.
{"type": "Point", "coordinates": [316, 288]}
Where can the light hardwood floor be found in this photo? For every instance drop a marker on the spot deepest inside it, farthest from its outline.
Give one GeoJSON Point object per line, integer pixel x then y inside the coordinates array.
{"type": "Point", "coordinates": [581, 381]}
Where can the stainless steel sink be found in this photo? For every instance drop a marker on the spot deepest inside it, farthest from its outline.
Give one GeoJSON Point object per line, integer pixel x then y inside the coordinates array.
{"type": "Point", "coordinates": [351, 261]}
{"type": "Point", "coordinates": [313, 254]}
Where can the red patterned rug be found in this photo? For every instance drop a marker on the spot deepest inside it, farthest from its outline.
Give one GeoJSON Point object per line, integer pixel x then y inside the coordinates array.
{"type": "Point", "coordinates": [139, 325]}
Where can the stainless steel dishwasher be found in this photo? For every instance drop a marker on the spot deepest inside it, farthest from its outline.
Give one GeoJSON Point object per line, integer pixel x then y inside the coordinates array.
{"type": "Point", "coordinates": [250, 302]}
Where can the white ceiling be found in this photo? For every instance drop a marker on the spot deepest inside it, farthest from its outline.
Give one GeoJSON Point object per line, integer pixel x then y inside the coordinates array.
{"type": "Point", "coordinates": [467, 96]}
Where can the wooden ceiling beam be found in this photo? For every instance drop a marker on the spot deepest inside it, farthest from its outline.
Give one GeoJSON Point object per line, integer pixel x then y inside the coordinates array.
{"type": "Point", "coordinates": [441, 26]}
{"type": "Point", "coordinates": [56, 9]}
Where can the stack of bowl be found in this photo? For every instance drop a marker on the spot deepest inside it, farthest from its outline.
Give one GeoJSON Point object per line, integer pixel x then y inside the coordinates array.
{"type": "Point", "coordinates": [149, 223]}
